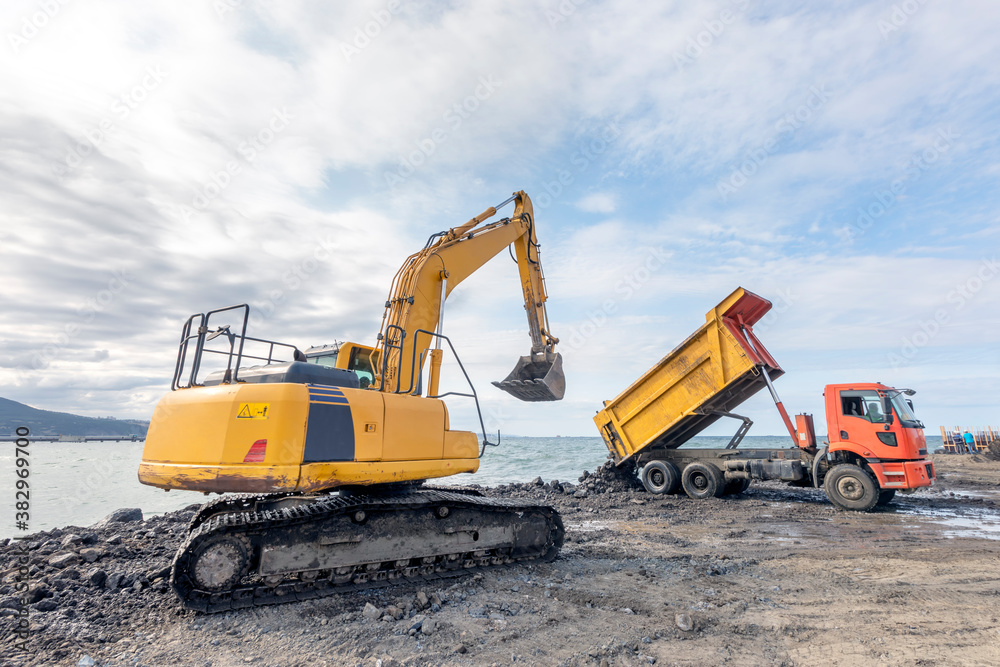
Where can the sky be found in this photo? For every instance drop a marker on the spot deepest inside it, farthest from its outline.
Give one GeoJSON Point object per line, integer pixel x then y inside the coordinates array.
{"type": "Point", "coordinates": [161, 159]}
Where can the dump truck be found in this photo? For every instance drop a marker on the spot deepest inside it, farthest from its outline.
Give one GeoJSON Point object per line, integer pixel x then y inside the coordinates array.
{"type": "Point", "coordinates": [875, 446]}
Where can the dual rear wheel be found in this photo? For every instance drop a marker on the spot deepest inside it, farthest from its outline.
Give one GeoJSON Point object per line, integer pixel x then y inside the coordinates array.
{"type": "Point", "coordinates": [660, 477]}
{"type": "Point", "coordinates": [698, 480]}
{"type": "Point", "coordinates": [703, 480]}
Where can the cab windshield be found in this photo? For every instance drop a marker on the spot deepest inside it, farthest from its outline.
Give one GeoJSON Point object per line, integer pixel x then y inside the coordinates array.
{"type": "Point", "coordinates": [902, 408]}
{"type": "Point", "coordinates": [328, 360]}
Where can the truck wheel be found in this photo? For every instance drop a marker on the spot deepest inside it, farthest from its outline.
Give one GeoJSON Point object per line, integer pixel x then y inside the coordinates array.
{"type": "Point", "coordinates": [885, 497]}
{"type": "Point", "coordinates": [851, 488]}
{"type": "Point", "coordinates": [660, 477]}
{"type": "Point", "coordinates": [736, 487]}
{"type": "Point", "coordinates": [702, 480]}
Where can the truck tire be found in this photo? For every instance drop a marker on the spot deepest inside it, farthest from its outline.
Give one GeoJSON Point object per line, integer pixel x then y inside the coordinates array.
{"type": "Point", "coordinates": [702, 480]}
{"type": "Point", "coordinates": [850, 488]}
{"type": "Point", "coordinates": [660, 477]}
{"type": "Point", "coordinates": [736, 487]}
{"type": "Point", "coordinates": [885, 497]}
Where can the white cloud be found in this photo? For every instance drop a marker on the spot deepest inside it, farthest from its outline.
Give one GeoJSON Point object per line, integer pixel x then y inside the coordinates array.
{"type": "Point", "coordinates": [203, 159]}
{"type": "Point", "coordinates": [598, 202]}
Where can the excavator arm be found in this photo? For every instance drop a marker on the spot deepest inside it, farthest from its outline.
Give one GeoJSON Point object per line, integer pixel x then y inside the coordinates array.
{"type": "Point", "coordinates": [414, 317]}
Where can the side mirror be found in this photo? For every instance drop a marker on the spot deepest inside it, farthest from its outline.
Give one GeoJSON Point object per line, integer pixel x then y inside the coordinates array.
{"type": "Point", "coordinates": [910, 403]}
{"type": "Point", "coordinates": [887, 410]}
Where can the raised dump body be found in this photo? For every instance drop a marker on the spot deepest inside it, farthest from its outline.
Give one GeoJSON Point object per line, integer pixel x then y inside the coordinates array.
{"type": "Point", "coordinates": [701, 380]}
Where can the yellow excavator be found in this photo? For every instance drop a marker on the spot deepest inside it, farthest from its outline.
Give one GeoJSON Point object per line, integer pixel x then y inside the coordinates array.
{"type": "Point", "coordinates": [328, 450]}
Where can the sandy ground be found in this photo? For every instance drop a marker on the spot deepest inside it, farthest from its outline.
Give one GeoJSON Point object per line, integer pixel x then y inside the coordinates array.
{"type": "Point", "coordinates": [775, 576]}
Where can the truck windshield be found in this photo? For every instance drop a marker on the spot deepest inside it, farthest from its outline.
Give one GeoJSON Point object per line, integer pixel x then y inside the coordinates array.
{"type": "Point", "coordinates": [902, 408]}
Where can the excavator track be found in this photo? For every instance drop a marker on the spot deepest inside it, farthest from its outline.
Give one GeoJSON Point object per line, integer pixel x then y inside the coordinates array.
{"type": "Point", "coordinates": [239, 555]}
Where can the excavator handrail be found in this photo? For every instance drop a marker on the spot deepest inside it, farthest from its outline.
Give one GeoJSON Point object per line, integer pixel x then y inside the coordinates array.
{"type": "Point", "coordinates": [416, 375]}
{"type": "Point", "coordinates": [474, 395]}
{"type": "Point", "coordinates": [384, 358]}
{"type": "Point", "coordinates": [203, 335]}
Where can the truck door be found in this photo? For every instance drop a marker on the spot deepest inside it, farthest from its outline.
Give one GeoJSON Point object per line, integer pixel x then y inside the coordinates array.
{"type": "Point", "coordinates": [862, 422]}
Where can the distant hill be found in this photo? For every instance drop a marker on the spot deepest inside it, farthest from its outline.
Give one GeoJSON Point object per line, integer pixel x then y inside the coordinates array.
{"type": "Point", "coordinates": [45, 422]}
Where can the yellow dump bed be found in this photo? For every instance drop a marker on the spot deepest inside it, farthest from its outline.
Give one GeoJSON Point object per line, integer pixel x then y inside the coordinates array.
{"type": "Point", "coordinates": [701, 380]}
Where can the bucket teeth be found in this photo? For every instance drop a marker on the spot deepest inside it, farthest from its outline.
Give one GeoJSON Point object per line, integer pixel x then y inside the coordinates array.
{"type": "Point", "coordinates": [536, 381]}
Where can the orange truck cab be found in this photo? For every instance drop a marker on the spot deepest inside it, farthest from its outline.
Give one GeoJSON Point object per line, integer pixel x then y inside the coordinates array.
{"type": "Point", "coordinates": [873, 426]}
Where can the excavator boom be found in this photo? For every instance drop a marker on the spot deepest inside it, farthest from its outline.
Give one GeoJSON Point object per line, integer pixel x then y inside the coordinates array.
{"type": "Point", "coordinates": [413, 317]}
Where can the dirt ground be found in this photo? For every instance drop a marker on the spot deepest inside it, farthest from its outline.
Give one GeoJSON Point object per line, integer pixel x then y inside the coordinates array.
{"type": "Point", "coordinates": [774, 576]}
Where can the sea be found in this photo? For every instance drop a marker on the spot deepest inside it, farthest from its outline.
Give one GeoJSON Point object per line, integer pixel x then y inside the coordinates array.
{"type": "Point", "coordinates": [77, 484]}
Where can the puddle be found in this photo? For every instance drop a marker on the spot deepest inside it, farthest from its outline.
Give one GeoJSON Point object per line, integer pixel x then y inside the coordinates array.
{"type": "Point", "coordinates": [981, 523]}
{"type": "Point", "coordinates": [953, 493]}
{"type": "Point", "coordinates": [633, 527]}
{"type": "Point", "coordinates": [588, 526]}
{"type": "Point", "coordinates": [972, 527]}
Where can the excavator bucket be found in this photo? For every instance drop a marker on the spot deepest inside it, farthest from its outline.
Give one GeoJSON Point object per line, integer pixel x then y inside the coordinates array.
{"type": "Point", "coordinates": [536, 380]}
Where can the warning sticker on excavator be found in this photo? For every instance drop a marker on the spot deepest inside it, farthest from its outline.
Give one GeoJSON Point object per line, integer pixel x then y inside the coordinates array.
{"type": "Point", "coordinates": [253, 410]}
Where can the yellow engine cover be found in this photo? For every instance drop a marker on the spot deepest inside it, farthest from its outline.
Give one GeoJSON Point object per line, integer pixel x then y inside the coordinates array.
{"type": "Point", "coordinates": [270, 437]}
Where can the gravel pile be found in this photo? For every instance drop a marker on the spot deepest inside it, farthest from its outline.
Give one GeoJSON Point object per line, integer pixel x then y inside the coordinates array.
{"type": "Point", "coordinates": [91, 585]}
{"type": "Point", "coordinates": [609, 478]}
{"type": "Point", "coordinates": [993, 450]}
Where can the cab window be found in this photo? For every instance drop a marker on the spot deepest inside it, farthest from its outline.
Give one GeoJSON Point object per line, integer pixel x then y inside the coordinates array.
{"type": "Point", "coordinates": [361, 365]}
{"type": "Point", "coordinates": [328, 360]}
{"type": "Point", "coordinates": [865, 405]}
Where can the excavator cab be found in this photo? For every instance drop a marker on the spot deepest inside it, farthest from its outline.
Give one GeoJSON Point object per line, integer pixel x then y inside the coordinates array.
{"type": "Point", "coordinates": [348, 356]}
{"type": "Point", "coordinates": [536, 378]}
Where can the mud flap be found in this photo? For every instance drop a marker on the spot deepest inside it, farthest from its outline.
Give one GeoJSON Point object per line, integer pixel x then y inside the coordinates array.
{"type": "Point", "coordinates": [533, 380]}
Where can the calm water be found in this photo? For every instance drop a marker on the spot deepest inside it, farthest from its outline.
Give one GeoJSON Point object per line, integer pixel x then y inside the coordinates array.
{"type": "Point", "coordinates": [80, 483]}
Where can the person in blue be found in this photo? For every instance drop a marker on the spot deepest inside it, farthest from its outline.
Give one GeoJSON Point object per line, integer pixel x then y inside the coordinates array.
{"type": "Point", "coordinates": [970, 442]}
